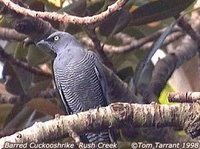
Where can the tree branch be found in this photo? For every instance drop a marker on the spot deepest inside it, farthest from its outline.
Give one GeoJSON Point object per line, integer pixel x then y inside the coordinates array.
{"type": "Point", "coordinates": [116, 115]}
{"type": "Point", "coordinates": [66, 18]}
{"type": "Point", "coordinates": [14, 99]}
{"type": "Point", "coordinates": [188, 97]}
{"type": "Point", "coordinates": [6, 57]}
{"type": "Point", "coordinates": [11, 34]}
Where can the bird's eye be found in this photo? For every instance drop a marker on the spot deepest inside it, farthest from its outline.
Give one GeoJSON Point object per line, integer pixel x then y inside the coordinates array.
{"type": "Point", "coordinates": [56, 38]}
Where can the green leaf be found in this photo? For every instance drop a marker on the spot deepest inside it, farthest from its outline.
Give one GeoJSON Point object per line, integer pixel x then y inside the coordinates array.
{"type": "Point", "coordinates": [158, 10]}
{"type": "Point", "coordinates": [163, 99]}
{"type": "Point", "coordinates": [36, 56]}
{"type": "Point", "coordinates": [20, 51]}
{"type": "Point", "coordinates": [145, 68]}
{"type": "Point", "coordinates": [11, 47]}
{"type": "Point", "coordinates": [55, 3]}
{"type": "Point", "coordinates": [4, 112]}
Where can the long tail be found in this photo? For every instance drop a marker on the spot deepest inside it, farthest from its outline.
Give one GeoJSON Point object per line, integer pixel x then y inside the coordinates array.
{"type": "Point", "coordinates": [97, 137]}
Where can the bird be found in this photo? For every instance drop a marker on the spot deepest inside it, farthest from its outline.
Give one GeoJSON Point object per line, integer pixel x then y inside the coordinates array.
{"type": "Point", "coordinates": [79, 78]}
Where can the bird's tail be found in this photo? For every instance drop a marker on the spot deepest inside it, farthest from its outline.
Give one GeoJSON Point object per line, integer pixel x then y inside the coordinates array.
{"type": "Point", "coordinates": [99, 137]}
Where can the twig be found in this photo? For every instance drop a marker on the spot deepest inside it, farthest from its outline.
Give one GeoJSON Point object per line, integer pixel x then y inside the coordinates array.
{"type": "Point", "coordinates": [6, 57]}
{"type": "Point", "coordinates": [66, 18]}
{"type": "Point", "coordinates": [124, 38]}
{"type": "Point", "coordinates": [135, 44]}
{"type": "Point", "coordinates": [14, 99]}
{"type": "Point", "coordinates": [11, 99]}
{"type": "Point", "coordinates": [130, 43]}
{"type": "Point", "coordinates": [188, 97]}
{"type": "Point", "coordinates": [113, 116]}
{"type": "Point", "coordinates": [11, 34]}
{"type": "Point", "coordinates": [189, 30]}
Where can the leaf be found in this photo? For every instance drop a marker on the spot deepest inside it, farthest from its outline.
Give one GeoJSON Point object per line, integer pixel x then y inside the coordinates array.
{"type": "Point", "coordinates": [158, 10]}
{"type": "Point", "coordinates": [12, 84]}
{"type": "Point", "coordinates": [19, 118]}
{"type": "Point", "coordinates": [20, 51]}
{"type": "Point", "coordinates": [37, 87]}
{"type": "Point", "coordinates": [95, 6]}
{"type": "Point", "coordinates": [44, 106]}
{"type": "Point", "coordinates": [115, 23]}
{"type": "Point", "coordinates": [163, 99]}
{"type": "Point", "coordinates": [25, 77]}
{"type": "Point", "coordinates": [36, 56]}
{"type": "Point", "coordinates": [15, 116]}
{"type": "Point", "coordinates": [56, 3]}
{"type": "Point", "coordinates": [145, 64]}
{"type": "Point", "coordinates": [125, 73]}
{"type": "Point", "coordinates": [76, 8]}
{"type": "Point", "coordinates": [4, 112]}
{"type": "Point", "coordinates": [10, 47]}
{"type": "Point", "coordinates": [37, 5]}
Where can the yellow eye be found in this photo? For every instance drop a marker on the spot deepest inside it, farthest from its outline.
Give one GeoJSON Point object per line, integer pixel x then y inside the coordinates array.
{"type": "Point", "coordinates": [56, 38]}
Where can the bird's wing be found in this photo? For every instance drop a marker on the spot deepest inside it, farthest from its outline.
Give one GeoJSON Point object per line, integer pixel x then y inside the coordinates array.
{"type": "Point", "coordinates": [101, 77]}
{"type": "Point", "coordinates": [61, 93]}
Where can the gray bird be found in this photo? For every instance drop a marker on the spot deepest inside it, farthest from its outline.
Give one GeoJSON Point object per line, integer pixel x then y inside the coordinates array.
{"type": "Point", "coordinates": [79, 78]}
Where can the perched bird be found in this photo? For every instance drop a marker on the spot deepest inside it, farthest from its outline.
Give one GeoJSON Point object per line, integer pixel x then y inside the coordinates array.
{"type": "Point", "coordinates": [79, 78]}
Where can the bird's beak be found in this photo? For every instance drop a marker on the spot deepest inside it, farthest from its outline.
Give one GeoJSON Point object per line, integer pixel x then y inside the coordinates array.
{"type": "Point", "coordinates": [45, 46]}
{"type": "Point", "coordinates": [41, 43]}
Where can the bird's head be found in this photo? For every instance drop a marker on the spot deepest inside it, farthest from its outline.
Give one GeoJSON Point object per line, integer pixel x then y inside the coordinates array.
{"type": "Point", "coordinates": [59, 42]}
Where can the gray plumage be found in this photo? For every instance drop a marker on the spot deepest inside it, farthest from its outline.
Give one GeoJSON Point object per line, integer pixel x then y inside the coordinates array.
{"type": "Point", "coordinates": [79, 78]}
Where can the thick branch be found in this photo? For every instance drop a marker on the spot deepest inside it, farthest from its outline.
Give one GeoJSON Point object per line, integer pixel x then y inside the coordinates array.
{"type": "Point", "coordinates": [188, 97]}
{"type": "Point", "coordinates": [113, 116]}
{"type": "Point", "coordinates": [66, 18]}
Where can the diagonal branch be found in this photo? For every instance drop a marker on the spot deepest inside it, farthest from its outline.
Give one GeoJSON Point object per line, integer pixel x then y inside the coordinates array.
{"type": "Point", "coordinates": [66, 18]}
{"type": "Point", "coordinates": [6, 57]}
{"type": "Point", "coordinates": [6, 98]}
{"type": "Point", "coordinates": [11, 34]}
